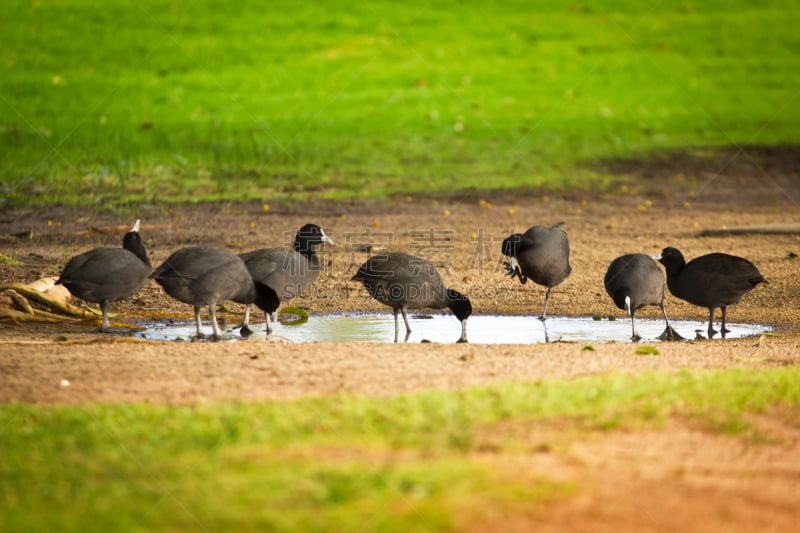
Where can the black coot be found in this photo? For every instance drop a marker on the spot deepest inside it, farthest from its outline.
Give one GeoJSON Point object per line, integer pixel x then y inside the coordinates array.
{"type": "Point", "coordinates": [206, 276]}
{"type": "Point", "coordinates": [106, 275]}
{"type": "Point", "coordinates": [285, 272]}
{"type": "Point", "coordinates": [710, 281]}
{"type": "Point", "coordinates": [541, 254]}
{"type": "Point", "coordinates": [404, 282]}
{"type": "Point", "coordinates": [634, 281]}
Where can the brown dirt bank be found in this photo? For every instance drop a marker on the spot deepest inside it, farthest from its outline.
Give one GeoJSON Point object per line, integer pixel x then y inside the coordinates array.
{"type": "Point", "coordinates": [461, 236]}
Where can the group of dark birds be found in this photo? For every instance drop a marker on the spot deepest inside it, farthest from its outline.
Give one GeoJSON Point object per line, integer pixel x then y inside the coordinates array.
{"type": "Point", "coordinates": [206, 276]}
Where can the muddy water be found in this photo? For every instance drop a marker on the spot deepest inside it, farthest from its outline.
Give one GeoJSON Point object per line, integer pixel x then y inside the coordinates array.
{"type": "Point", "coordinates": [481, 329]}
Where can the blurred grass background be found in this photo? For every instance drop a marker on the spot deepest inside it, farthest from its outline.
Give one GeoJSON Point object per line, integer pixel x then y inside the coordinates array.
{"type": "Point", "coordinates": [121, 101]}
{"type": "Point", "coordinates": [428, 461]}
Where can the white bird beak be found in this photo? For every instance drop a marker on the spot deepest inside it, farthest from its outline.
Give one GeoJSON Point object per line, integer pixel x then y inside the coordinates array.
{"type": "Point", "coordinates": [326, 239]}
{"type": "Point", "coordinates": [136, 226]}
{"type": "Point", "coordinates": [512, 262]}
{"type": "Point", "coordinates": [657, 257]}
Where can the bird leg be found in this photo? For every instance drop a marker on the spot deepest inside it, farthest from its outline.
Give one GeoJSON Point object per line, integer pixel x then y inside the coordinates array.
{"type": "Point", "coordinates": [463, 337]}
{"type": "Point", "coordinates": [711, 330]}
{"type": "Point", "coordinates": [197, 322]}
{"type": "Point", "coordinates": [212, 311]}
{"type": "Point", "coordinates": [669, 334]}
{"type": "Point", "coordinates": [724, 320]}
{"type": "Point", "coordinates": [396, 326]}
{"type": "Point", "coordinates": [405, 319]}
{"type": "Point", "coordinates": [266, 318]}
{"type": "Point", "coordinates": [634, 335]}
{"type": "Point", "coordinates": [105, 327]}
{"type": "Point", "coordinates": [245, 330]}
{"type": "Point", "coordinates": [546, 301]}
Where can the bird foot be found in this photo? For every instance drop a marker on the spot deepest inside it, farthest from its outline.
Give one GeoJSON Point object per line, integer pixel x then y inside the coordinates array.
{"type": "Point", "coordinates": [203, 336]}
{"type": "Point", "coordinates": [670, 334]}
{"type": "Point", "coordinates": [245, 331]}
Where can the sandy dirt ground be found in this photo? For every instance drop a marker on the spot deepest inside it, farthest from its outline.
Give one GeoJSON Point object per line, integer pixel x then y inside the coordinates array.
{"type": "Point", "coordinates": [679, 479]}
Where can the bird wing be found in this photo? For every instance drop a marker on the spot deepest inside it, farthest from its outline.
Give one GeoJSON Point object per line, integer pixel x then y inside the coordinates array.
{"type": "Point", "coordinates": [394, 266]}
{"type": "Point", "coordinates": [265, 262]}
{"type": "Point", "coordinates": [727, 267]}
{"type": "Point", "coordinates": [99, 266]}
{"type": "Point", "coordinates": [285, 271]}
{"type": "Point", "coordinates": [189, 264]}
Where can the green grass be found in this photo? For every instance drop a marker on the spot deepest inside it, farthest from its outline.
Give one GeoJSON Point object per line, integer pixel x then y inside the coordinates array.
{"type": "Point", "coordinates": [11, 261]}
{"type": "Point", "coordinates": [124, 102]}
{"type": "Point", "coordinates": [338, 464]}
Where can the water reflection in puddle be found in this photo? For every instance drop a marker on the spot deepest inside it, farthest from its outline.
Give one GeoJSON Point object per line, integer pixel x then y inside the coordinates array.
{"type": "Point", "coordinates": [444, 328]}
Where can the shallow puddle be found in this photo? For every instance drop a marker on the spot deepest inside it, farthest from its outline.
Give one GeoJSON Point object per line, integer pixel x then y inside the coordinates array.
{"type": "Point", "coordinates": [444, 328]}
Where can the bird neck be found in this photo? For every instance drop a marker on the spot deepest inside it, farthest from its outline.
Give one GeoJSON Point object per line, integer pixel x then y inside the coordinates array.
{"type": "Point", "coordinates": [459, 304]}
{"type": "Point", "coordinates": [674, 269]}
{"type": "Point", "coordinates": [134, 244]}
{"type": "Point", "coordinates": [673, 261]}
